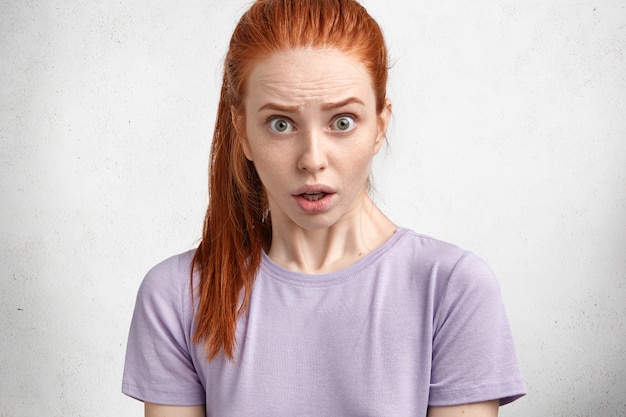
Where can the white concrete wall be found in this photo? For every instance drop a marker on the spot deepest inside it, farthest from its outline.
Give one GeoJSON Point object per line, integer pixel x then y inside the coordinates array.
{"type": "Point", "coordinates": [509, 138]}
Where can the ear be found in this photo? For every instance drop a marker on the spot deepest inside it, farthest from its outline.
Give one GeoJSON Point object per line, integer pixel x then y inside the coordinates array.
{"type": "Point", "coordinates": [383, 122]}
{"type": "Point", "coordinates": [240, 129]}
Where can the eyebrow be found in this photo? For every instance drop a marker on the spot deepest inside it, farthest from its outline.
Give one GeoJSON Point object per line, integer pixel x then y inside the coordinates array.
{"type": "Point", "coordinates": [349, 100]}
{"type": "Point", "coordinates": [325, 106]}
{"type": "Point", "coordinates": [279, 108]}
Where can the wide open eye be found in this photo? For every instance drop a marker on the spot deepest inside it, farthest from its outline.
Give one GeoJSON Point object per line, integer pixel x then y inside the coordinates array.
{"type": "Point", "coordinates": [344, 123]}
{"type": "Point", "coordinates": [281, 125]}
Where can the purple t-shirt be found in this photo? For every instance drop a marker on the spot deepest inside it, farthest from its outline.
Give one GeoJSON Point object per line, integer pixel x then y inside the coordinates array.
{"type": "Point", "coordinates": [417, 322]}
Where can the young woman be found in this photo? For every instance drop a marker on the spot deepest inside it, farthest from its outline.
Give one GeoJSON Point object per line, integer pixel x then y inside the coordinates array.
{"type": "Point", "coordinates": [303, 299]}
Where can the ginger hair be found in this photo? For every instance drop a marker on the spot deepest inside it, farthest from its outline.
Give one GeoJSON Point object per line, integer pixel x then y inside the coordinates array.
{"type": "Point", "coordinates": [237, 227]}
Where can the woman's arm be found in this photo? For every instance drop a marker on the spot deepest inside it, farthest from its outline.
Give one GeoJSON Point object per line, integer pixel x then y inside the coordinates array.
{"type": "Point", "coordinates": [484, 409]}
{"type": "Point", "coordinates": [160, 410]}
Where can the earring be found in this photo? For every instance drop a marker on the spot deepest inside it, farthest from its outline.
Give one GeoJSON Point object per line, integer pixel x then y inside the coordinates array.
{"type": "Point", "coordinates": [266, 214]}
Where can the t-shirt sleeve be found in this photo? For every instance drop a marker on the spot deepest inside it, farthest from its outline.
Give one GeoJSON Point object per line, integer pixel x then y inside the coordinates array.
{"type": "Point", "coordinates": [158, 366]}
{"type": "Point", "coordinates": [473, 353]}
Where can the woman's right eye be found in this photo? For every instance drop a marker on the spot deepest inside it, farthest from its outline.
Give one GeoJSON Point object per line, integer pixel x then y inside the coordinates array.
{"type": "Point", "coordinates": [281, 125]}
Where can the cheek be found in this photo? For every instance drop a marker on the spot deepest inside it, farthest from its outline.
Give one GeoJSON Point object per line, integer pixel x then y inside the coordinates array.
{"type": "Point", "coordinates": [269, 157]}
{"type": "Point", "coordinates": [361, 154]}
{"type": "Point", "coordinates": [270, 165]}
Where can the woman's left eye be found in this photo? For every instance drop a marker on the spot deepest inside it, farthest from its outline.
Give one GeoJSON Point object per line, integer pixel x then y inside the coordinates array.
{"type": "Point", "coordinates": [344, 123]}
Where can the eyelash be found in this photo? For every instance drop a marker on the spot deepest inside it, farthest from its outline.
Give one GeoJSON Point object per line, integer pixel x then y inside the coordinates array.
{"type": "Point", "coordinates": [290, 126]}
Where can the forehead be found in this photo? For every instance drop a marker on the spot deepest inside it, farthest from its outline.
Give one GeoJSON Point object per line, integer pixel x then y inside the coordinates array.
{"type": "Point", "coordinates": [302, 75]}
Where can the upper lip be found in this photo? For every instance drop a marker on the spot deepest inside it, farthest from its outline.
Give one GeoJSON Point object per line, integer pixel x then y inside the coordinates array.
{"type": "Point", "coordinates": [314, 189]}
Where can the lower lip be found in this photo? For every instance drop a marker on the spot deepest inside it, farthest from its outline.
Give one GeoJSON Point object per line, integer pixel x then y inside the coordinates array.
{"type": "Point", "coordinates": [313, 207]}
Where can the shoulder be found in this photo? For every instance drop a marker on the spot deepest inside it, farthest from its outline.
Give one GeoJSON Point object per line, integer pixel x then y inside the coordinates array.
{"type": "Point", "coordinates": [164, 296]}
{"type": "Point", "coordinates": [159, 364]}
{"type": "Point", "coordinates": [410, 239]}
{"type": "Point", "coordinates": [169, 271]}
{"type": "Point", "coordinates": [445, 263]}
{"type": "Point", "coordinates": [168, 281]}
{"type": "Point", "coordinates": [427, 251]}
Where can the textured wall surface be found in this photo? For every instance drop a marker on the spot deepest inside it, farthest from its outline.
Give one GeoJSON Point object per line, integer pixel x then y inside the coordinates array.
{"type": "Point", "coordinates": [509, 138]}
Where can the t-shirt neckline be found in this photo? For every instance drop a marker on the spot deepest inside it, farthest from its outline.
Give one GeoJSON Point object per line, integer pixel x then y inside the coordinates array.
{"type": "Point", "coordinates": [279, 273]}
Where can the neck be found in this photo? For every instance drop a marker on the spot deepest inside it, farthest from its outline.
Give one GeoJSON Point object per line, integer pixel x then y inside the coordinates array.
{"type": "Point", "coordinates": [330, 249]}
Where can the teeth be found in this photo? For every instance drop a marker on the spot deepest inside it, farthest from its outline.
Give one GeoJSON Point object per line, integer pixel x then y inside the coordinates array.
{"type": "Point", "coordinates": [313, 196]}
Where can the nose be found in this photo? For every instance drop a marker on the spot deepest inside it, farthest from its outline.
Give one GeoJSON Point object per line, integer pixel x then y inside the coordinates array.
{"type": "Point", "coordinates": [313, 155]}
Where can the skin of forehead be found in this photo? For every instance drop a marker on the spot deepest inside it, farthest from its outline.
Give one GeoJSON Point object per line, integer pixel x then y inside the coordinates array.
{"type": "Point", "coordinates": [320, 82]}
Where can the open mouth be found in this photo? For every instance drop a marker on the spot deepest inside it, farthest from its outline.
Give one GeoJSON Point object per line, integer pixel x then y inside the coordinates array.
{"type": "Point", "coordinates": [313, 196]}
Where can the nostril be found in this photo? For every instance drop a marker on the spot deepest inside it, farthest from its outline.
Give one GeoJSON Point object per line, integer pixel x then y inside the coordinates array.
{"type": "Point", "coordinates": [311, 168]}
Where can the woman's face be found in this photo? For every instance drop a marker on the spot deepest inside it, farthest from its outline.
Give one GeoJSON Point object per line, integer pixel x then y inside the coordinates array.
{"type": "Point", "coordinates": [311, 130]}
